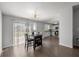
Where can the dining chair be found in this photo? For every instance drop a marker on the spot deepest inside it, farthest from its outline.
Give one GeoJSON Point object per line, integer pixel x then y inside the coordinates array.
{"type": "Point", "coordinates": [37, 41]}
{"type": "Point", "coordinates": [28, 41]}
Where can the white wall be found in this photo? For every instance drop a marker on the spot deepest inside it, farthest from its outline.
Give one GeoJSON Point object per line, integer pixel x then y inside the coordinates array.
{"type": "Point", "coordinates": [7, 32]}
{"type": "Point", "coordinates": [65, 27]}
{"type": "Point", "coordinates": [0, 32]}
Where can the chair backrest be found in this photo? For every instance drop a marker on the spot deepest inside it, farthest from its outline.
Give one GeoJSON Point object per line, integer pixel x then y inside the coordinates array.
{"type": "Point", "coordinates": [33, 33]}
{"type": "Point", "coordinates": [26, 37]}
{"type": "Point", "coordinates": [38, 40]}
{"type": "Point", "coordinates": [38, 37]}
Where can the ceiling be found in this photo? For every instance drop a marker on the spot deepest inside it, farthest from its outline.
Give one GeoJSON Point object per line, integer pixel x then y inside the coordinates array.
{"type": "Point", "coordinates": [46, 11]}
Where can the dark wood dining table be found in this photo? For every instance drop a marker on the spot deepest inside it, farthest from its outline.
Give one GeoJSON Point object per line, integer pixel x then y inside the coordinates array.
{"type": "Point", "coordinates": [37, 40]}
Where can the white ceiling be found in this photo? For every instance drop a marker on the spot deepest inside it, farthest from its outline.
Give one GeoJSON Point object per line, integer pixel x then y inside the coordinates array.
{"type": "Point", "coordinates": [45, 11]}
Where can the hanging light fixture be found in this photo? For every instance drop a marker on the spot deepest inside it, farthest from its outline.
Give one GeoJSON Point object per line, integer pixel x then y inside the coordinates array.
{"type": "Point", "coordinates": [35, 14]}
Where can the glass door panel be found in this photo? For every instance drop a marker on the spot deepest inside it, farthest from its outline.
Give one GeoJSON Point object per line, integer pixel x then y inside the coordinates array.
{"type": "Point", "coordinates": [19, 30]}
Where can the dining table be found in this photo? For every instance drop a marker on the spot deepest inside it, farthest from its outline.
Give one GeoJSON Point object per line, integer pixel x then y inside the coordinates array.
{"type": "Point", "coordinates": [36, 39]}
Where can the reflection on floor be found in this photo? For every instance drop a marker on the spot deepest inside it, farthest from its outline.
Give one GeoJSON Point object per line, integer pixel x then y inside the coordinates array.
{"type": "Point", "coordinates": [50, 49]}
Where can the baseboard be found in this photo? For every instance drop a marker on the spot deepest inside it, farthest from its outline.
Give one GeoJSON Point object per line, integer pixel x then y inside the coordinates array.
{"type": "Point", "coordinates": [65, 45]}
{"type": "Point", "coordinates": [0, 51]}
{"type": "Point", "coordinates": [3, 47]}
{"type": "Point", "coordinates": [11, 45]}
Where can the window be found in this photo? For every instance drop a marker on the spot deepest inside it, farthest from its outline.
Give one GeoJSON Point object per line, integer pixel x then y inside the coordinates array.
{"type": "Point", "coordinates": [30, 29]}
{"type": "Point", "coordinates": [47, 26]}
{"type": "Point", "coordinates": [34, 26]}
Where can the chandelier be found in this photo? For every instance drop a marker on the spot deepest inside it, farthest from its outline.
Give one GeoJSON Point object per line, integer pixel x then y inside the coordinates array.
{"type": "Point", "coordinates": [35, 16]}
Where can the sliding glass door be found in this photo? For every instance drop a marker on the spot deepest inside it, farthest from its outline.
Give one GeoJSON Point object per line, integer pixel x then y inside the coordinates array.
{"type": "Point", "coordinates": [19, 30]}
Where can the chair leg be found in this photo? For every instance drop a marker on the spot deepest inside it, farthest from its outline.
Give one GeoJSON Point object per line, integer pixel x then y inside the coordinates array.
{"type": "Point", "coordinates": [25, 44]}
{"type": "Point", "coordinates": [27, 47]}
{"type": "Point", "coordinates": [41, 45]}
{"type": "Point", "coordinates": [34, 48]}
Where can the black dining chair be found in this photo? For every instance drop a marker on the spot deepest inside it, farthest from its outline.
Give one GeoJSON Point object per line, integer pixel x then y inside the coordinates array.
{"type": "Point", "coordinates": [37, 41]}
{"type": "Point", "coordinates": [28, 41]}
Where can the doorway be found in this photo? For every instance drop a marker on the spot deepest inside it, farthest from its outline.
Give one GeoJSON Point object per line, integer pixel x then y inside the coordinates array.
{"type": "Point", "coordinates": [76, 26]}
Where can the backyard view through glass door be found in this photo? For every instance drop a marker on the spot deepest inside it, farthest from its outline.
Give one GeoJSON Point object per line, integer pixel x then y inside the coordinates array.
{"type": "Point", "coordinates": [19, 30]}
